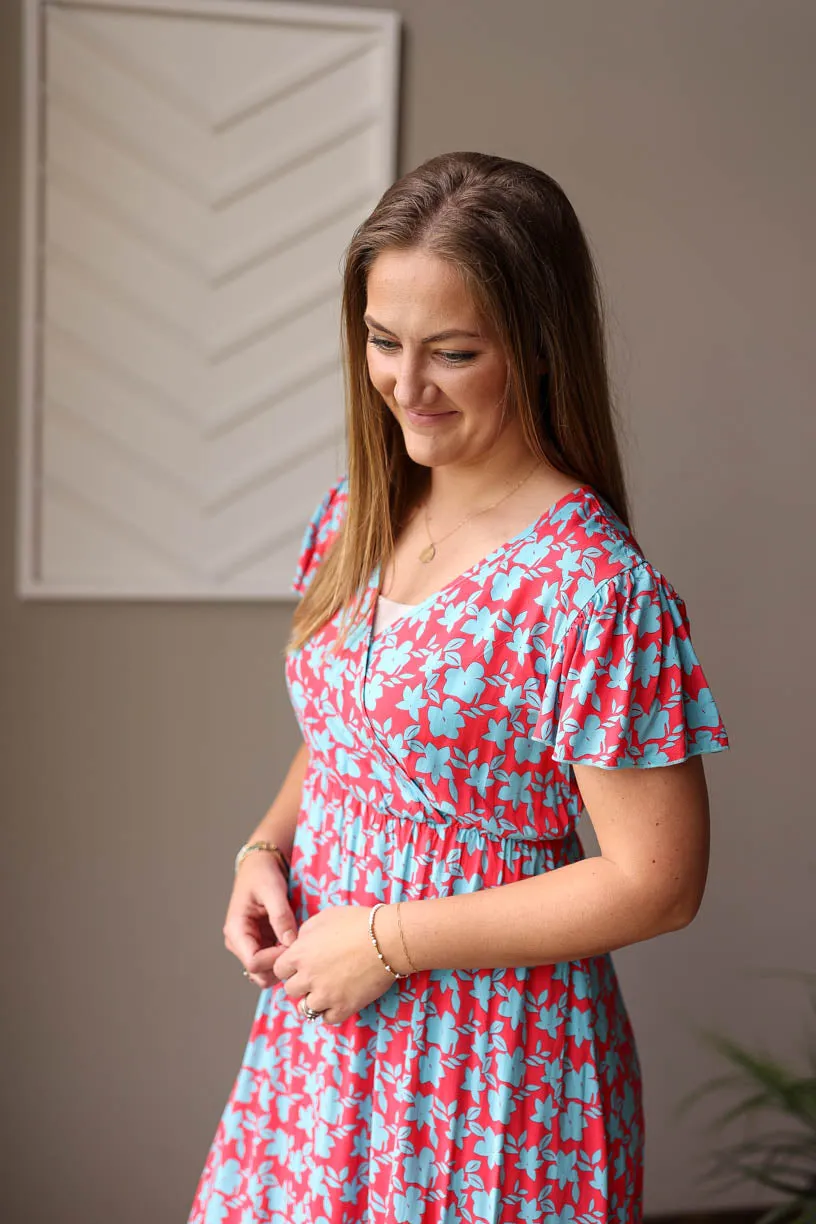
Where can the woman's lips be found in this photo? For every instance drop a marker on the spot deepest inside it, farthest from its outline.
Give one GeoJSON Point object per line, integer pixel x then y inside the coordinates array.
{"type": "Point", "coordinates": [427, 420]}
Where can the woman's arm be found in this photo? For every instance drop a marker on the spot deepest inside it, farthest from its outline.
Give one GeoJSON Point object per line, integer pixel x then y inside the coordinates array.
{"type": "Point", "coordinates": [259, 921]}
{"type": "Point", "coordinates": [653, 833]}
{"type": "Point", "coordinates": [278, 825]}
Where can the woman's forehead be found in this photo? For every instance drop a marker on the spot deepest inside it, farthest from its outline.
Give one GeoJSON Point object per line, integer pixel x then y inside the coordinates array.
{"type": "Point", "coordinates": [419, 290]}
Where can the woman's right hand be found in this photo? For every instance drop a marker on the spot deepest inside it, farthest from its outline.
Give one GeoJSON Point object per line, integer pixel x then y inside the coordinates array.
{"type": "Point", "coordinates": [259, 924]}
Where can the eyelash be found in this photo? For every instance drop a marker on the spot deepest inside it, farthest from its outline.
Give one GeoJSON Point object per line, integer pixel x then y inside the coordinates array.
{"type": "Point", "coordinates": [453, 357]}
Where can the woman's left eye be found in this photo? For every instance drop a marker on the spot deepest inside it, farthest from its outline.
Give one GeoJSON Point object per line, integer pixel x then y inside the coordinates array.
{"type": "Point", "coordinates": [451, 357]}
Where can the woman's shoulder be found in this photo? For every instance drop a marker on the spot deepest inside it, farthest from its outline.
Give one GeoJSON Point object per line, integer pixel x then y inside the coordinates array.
{"type": "Point", "coordinates": [623, 683]}
{"type": "Point", "coordinates": [582, 552]}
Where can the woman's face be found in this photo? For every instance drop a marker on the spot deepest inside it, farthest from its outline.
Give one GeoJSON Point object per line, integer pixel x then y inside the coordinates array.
{"type": "Point", "coordinates": [436, 363]}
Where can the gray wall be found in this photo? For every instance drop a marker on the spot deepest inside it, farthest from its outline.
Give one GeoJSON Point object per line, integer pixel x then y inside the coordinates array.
{"type": "Point", "coordinates": [141, 742]}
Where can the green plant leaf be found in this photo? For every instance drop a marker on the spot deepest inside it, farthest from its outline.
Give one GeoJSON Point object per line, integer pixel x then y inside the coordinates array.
{"type": "Point", "coordinates": [782, 1162]}
{"type": "Point", "coordinates": [718, 1084]}
{"type": "Point", "coordinates": [780, 1087]}
{"type": "Point", "coordinates": [809, 1214]}
{"type": "Point", "coordinates": [782, 1102]}
{"type": "Point", "coordinates": [780, 1215]}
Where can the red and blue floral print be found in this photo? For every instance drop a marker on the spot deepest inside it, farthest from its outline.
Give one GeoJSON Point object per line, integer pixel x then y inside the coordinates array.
{"type": "Point", "coordinates": [440, 761]}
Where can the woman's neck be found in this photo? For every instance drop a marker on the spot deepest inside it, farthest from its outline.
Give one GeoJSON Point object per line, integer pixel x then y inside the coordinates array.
{"type": "Point", "coordinates": [455, 489]}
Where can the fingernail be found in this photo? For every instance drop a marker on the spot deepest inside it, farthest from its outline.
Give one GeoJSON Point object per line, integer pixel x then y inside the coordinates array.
{"type": "Point", "coordinates": [287, 938]}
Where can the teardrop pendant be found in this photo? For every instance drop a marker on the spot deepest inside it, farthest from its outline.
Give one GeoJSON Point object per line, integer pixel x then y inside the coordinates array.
{"type": "Point", "coordinates": [428, 553]}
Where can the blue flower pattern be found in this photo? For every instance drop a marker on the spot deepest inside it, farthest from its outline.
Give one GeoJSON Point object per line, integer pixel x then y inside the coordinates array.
{"type": "Point", "coordinates": [441, 755]}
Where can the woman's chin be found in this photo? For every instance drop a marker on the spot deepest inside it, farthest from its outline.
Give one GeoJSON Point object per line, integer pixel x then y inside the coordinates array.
{"type": "Point", "coordinates": [427, 456]}
{"type": "Point", "coordinates": [430, 452]}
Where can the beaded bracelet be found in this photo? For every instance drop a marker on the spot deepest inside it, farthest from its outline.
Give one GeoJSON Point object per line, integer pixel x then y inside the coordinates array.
{"type": "Point", "coordinates": [397, 976]}
{"type": "Point", "coordinates": [248, 847]}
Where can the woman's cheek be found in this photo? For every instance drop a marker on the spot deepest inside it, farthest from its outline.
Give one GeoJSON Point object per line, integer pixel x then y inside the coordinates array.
{"type": "Point", "coordinates": [378, 377]}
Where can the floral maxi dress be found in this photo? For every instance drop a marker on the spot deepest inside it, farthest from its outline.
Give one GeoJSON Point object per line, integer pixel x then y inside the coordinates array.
{"type": "Point", "coordinates": [440, 756]}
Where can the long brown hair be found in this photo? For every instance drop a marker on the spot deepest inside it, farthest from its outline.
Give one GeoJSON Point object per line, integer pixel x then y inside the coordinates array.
{"type": "Point", "coordinates": [514, 236]}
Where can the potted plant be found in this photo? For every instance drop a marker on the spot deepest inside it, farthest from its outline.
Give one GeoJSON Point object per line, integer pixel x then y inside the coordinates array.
{"type": "Point", "coordinates": [775, 1109]}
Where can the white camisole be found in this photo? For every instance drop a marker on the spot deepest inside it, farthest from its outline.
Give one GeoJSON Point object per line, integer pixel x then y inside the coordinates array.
{"type": "Point", "coordinates": [388, 610]}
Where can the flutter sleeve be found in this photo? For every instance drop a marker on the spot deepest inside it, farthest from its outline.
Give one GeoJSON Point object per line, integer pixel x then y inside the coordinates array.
{"type": "Point", "coordinates": [320, 531]}
{"type": "Point", "coordinates": [624, 686]}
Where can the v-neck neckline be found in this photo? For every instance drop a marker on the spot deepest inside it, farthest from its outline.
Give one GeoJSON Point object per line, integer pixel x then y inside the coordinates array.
{"type": "Point", "coordinates": [371, 642]}
{"type": "Point", "coordinates": [581, 493]}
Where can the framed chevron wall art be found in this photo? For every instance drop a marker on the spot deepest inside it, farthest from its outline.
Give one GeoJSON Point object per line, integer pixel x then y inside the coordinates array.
{"type": "Point", "coordinates": [193, 172]}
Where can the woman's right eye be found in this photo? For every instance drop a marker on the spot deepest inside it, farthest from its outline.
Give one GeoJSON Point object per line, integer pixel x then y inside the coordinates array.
{"type": "Point", "coordinates": [380, 342]}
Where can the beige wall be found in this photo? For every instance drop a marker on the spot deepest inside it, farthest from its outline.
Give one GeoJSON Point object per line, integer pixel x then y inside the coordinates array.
{"type": "Point", "coordinates": [140, 743]}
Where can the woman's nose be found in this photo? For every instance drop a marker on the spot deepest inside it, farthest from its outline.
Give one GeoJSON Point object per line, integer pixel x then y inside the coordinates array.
{"type": "Point", "coordinates": [413, 388]}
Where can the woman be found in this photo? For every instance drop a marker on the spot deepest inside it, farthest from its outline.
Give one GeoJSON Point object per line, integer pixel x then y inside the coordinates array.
{"type": "Point", "coordinates": [480, 651]}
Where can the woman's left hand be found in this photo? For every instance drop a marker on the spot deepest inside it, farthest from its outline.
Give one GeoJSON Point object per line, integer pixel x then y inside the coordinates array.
{"type": "Point", "coordinates": [333, 962]}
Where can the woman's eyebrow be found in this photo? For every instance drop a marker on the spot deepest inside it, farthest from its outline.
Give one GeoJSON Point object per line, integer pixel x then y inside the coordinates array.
{"type": "Point", "coordinates": [444, 335]}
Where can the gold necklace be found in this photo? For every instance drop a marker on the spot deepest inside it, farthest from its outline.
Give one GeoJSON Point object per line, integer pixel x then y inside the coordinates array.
{"type": "Point", "coordinates": [429, 551]}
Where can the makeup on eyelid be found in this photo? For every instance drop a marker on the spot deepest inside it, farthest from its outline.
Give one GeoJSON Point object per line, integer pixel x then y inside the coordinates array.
{"type": "Point", "coordinates": [452, 357]}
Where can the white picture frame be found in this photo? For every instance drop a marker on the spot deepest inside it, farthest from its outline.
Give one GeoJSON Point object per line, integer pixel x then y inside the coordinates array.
{"type": "Point", "coordinates": [150, 465]}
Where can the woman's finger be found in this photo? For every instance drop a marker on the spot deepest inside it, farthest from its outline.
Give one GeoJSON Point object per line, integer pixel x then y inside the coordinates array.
{"type": "Point", "coordinates": [328, 1015]}
{"type": "Point", "coordinates": [279, 911]}
{"type": "Point", "coordinates": [265, 960]}
{"type": "Point", "coordinates": [296, 987]}
{"type": "Point", "coordinates": [263, 980]}
{"type": "Point", "coordinates": [240, 938]}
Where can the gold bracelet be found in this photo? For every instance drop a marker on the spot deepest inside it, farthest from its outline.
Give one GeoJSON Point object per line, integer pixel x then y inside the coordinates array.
{"type": "Point", "coordinates": [248, 847]}
{"type": "Point", "coordinates": [402, 937]}
{"type": "Point", "coordinates": [397, 976]}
